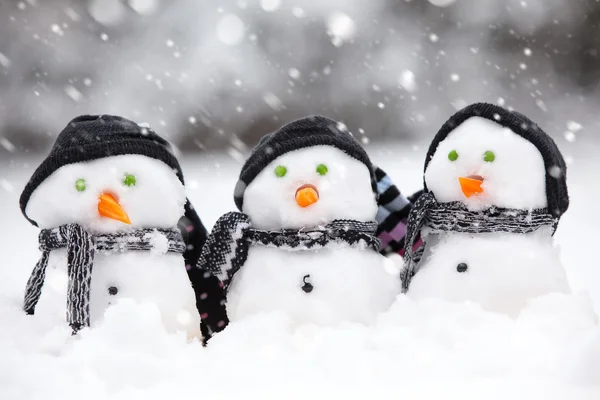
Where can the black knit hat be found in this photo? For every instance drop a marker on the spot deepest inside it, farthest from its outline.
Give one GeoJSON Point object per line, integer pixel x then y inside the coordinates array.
{"type": "Point", "coordinates": [91, 137]}
{"type": "Point", "coordinates": [556, 168]}
{"type": "Point", "coordinates": [306, 132]}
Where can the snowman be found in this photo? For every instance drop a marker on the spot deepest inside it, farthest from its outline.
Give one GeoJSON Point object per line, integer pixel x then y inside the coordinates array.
{"type": "Point", "coordinates": [495, 189]}
{"type": "Point", "coordinates": [304, 243]}
{"type": "Point", "coordinates": [108, 200]}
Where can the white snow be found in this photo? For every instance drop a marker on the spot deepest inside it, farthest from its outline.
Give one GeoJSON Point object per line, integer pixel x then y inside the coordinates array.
{"type": "Point", "coordinates": [505, 271]}
{"type": "Point", "coordinates": [230, 29]}
{"type": "Point", "coordinates": [515, 179]}
{"type": "Point", "coordinates": [273, 101]}
{"type": "Point", "coordinates": [154, 277]}
{"type": "Point", "coordinates": [270, 5]}
{"type": "Point", "coordinates": [340, 27]}
{"type": "Point", "coordinates": [159, 242]}
{"type": "Point", "coordinates": [4, 61]}
{"type": "Point", "coordinates": [407, 81]}
{"type": "Point", "coordinates": [144, 7]}
{"type": "Point", "coordinates": [426, 349]}
{"type": "Point", "coordinates": [107, 12]}
{"type": "Point", "coordinates": [349, 285]}
{"type": "Point", "coordinates": [442, 3]}
{"type": "Point", "coordinates": [56, 201]}
{"type": "Point", "coordinates": [7, 145]}
{"type": "Point", "coordinates": [73, 93]}
{"type": "Point", "coordinates": [270, 201]}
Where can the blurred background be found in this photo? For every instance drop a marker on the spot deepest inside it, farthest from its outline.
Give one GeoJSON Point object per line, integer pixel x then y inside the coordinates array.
{"type": "Point", "coordinates": [216, 75]}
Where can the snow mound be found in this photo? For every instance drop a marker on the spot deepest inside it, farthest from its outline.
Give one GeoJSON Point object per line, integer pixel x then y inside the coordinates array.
{"type": "Point", "coordinates": [425, 349]}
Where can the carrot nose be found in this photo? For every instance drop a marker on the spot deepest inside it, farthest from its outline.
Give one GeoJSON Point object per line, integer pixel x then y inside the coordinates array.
{"type": "Point", "coordinates": [306, 195]}
{"type": "Point", "coordinates": [471, 185]}
{"type": "Point", "coordinates": [109, 207]}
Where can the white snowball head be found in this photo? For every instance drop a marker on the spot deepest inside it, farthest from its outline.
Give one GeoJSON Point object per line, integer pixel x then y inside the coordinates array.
{"type": "Point", "coordinates": [501, 168]}
{"type": "Point", "coordinates": [336, 185]}
{"type": "Point", "coordinates": [146, 190]}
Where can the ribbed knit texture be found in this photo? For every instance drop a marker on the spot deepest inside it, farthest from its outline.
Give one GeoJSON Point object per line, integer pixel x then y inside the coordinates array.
{"type": "Point", "coordinates": [556, 168]}
{"type": "Point", "coordinates": [305, 132]}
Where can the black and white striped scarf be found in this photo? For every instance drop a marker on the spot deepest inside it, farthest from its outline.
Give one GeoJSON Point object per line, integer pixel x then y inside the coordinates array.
{"type": "Point", "coordinates": [437, 217]}
{"type": "Point", "coordinates": [226, 248]}
{"type": "Point", "coordinates": [392, 214]}
{"type": "Point", "coordinates": [81, 247]}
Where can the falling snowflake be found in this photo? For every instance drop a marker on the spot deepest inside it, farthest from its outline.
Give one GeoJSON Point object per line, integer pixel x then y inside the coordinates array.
{"type": "Point", "coordinates": [230, 29]}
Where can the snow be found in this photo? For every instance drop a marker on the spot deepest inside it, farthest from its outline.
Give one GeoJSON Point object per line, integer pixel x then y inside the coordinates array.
{"type": "Point", "coordinates": [442, 3]}
{"type": "Point", "coordinates": [4, 61]}
{"type": "Point", "coordinates": [140, 277]}
{"type": "Point", "coordinates": [407, 81]}
{"type": "Point", "coordinates": [144, 7]}
{"type": "Point", "coordinates": [515, 179]}
{"type": "Point", "coordinates": [349, 285]}
{"type": "Point", "coordinates": [270, 5]}
{"type": "Point", "coordinates": [504, 271]}
{"type": "Point", "coordinates": [340, 27]}
{"type": "Point", "coordinates": [422, 349]}
{"type": "Point", "coordinates": [107, 12]}
{"type": "Point", "coordinates": [272, 101]}
{"type": "Point", "coordinates": [7, 145]}
{"type": "Point", "coordinates": [270, 201]}
{"type": "Point", "coordinates": [230, 29]}
{"type": "Point", "coordinates": [56, 201]}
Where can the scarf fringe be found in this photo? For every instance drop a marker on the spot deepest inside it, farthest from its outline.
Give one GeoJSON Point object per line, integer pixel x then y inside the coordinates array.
{"type": "Point", "coordinates": [81, 247]}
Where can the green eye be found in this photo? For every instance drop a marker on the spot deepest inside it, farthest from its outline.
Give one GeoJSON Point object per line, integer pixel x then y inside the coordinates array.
{"type": "Point", "coordinates": [489, 156]}
{"type": "Point", "coordinates": [322, 169]}
{"type": "Point", "coordinates": [80, 185]}
{"type": "Point", "coordinates": [280, 171]}
{"type": "Point", "coordinates": [129, 180]}
{"type": "Point", "coordinates": [453, 155]}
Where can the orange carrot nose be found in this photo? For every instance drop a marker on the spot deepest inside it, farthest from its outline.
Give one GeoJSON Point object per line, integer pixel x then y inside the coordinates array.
{"type": "Point", "coordinates": [306, 195]}
{"type": "Point", "coordinates": [109, 207]}
{"type": "Point", "coordinates": [471, 185]}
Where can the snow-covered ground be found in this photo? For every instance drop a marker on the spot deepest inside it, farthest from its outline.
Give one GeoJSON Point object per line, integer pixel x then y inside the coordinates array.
{"type": "Point", "coordinates": [423, 350]}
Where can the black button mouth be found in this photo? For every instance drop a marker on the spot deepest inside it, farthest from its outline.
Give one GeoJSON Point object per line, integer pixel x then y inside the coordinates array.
{"type": "Point", "coordinates": [307, 287]}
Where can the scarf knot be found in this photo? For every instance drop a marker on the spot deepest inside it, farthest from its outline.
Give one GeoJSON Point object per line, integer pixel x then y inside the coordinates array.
{"type": "Point", "coordinates": [428, 213]}
{"type": "Point", "coordinates": [81, 247]}
{"type": "Point", "coordinates": [226, 248]}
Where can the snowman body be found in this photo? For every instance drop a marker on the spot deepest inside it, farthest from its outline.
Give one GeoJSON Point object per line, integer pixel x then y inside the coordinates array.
{"type": "Point", "coordinates": [327, 285]}
{"type": "Point", "coordinates": [501, 271]}
{"type": "Point", "coordinates": [143, 276]}
{"type": "Point", "coordinates": [152, 197]}
{"type": "Point", "coordinates": [324, 287]}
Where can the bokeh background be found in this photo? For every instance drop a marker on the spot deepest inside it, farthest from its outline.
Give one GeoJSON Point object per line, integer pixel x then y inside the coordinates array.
{"type": "Point", "coordinates": [216, 75]}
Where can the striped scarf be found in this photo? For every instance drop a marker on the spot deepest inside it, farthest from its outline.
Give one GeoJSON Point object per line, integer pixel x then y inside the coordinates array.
{"type": "Point", "coordinates": [392, 214]}
{"type": "Point", "coordinates": [227, 246]}
{"type": "Point", "coordinates": [81, 247]}
{"type": "Point", "coordinates": [438, 217]}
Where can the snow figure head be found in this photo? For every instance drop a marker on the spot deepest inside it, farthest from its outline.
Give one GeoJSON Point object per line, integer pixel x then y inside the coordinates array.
{"type": "Point", "coordinates": [310, 187]}
{"type": "Point", "coordinates": [308, 173]}
{"type": "Point", "coordinates": [486, 156]}
{"type": "Point", "coordinates": [110, 194]}
{"type": "Point", "coordinates": [107, 174]}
